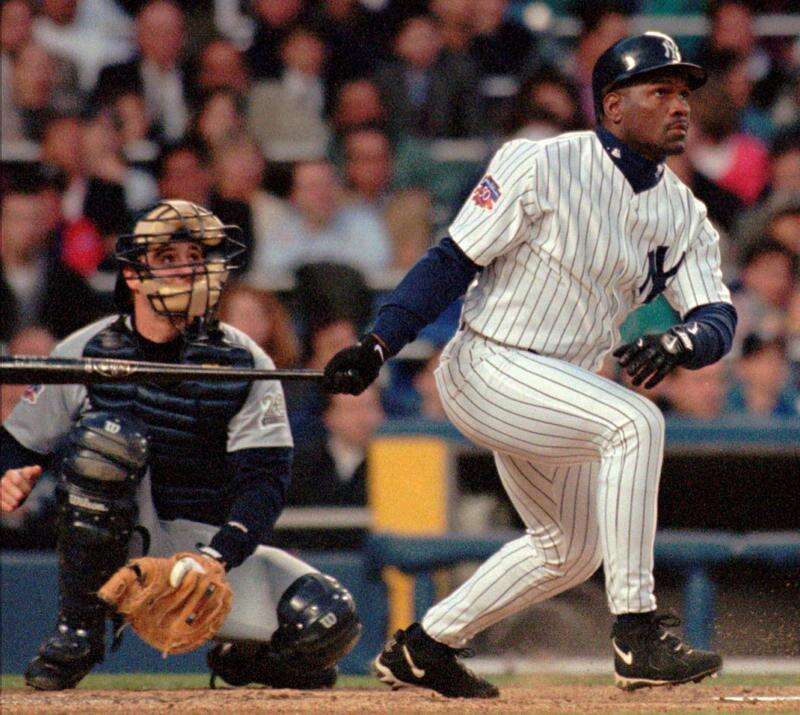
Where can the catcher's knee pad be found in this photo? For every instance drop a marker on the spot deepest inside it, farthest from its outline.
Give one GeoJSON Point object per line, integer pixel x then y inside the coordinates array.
{"type": "Point", "coordinates": [317, 622]}
{"type": "Point", "coordinates": [96, 494]}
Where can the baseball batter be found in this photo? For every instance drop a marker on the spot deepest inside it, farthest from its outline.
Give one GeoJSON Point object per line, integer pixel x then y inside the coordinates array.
{"type": "Point", "coordinates": [195, 466]}
{"type": "Point", "coordinates": [560, 240]}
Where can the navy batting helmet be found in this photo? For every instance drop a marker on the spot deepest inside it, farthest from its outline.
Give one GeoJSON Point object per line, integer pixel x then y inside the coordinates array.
{"type": "Point", "coordinates": [635, 56]}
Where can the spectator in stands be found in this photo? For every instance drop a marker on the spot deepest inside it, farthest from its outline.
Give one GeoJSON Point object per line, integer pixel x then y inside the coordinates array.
{"type": "Point", "coordinates": [40, 87]}
{"type": "Point", "coordinates": [130, 118]}
{"type": "Point", "coordinates": [61, 156]}
{"type": "Point", "coordinates": [219, 121]}
{"type": "Point", "coordinates": [355, 38]}
{"type": "Point", "coordinates": [724, 207]}
{"type": "Point", "coordinates": [323, 338]}
{"type": "Point", "coordinates": [732, 72]}
{"type": "Point", "coordinates": [427, 403]}
{"type": "Point", "coordinates": [602, 24]}
{"type": "Point", "coordinates": [427, 91]}
{"type": "Point", "coordinates": [222, 67]}
{"type": "Point", "coordinates": [101, 145]}
{"type": "Point", "coordinates": [785, 162]}
{"type": "Point", "coordinates": [697, 394]}
{"type": "Point", "coordinates": [778, 219]}
{"type": "Point", "coordinates": [762, 386]}
{"type": "Point", "coordinates": [504, 52]}
{"type": "Point", "coordinates": [733, 31]}
{"type": "Point", "coordinates": [357, 104]}
{"type": "Point", "coordinates": [156, 71]}
{"type": "Point", "coordinates": [501, 46]}
{"type": "Point", "coordinates": [34, 287]}
{"type": "Point", "coordinates": [239, 199]}
{"type": "Point", "coordinates": [368, 165]}
{"type": "Point", "coordinates": [32, 340]}
{"type": "Point", "coordinates": [456, 23]}
{"type": "Point", "coordinates": [15, 33]}
{"type": "Point", "coordinates": [331, 469]}
{"type": "Point", "coordinates": [735, 161]}
{"type": "Point", "coordinates": [767, 283]}
{"type": "Point", "coordinates": [320, 228]}
{"type": "Point", "coordinates": [546, 104]}
{"type": "Point", "coordinates": [275, 19]}
{"type": "Point", "coordinates": [261, 315]}
{"type": "Point", "coordinates": [182, 171]}
{"type": "Point", "coordinates": [16, 23]}
{"type": "Point", "coordinates": [88, 35]}
{"type": "Point", "coordinates": [368, 170]}
{"type": "Point", "coordinates": [285, 115]}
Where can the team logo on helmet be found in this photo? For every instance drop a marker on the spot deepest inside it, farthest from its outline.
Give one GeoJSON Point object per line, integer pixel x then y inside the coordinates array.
{"type": "Point", "coordinates": [486, 193]}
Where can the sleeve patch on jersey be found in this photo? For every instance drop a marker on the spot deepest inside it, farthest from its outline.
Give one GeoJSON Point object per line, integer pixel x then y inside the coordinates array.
{"type": "Point", "coordinates": [32, 392]}
{"type": "Point", "coordinates": [273, 410]}
{"type": "Point", "coordinates": [486, 193]}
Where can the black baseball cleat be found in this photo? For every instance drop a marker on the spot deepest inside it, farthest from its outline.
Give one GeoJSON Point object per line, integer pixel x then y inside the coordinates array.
{"type": "Point", "coordinates": [240, 664]}
{"type": "Point", "coordinates": [412, 657]}
{"type": "Point", "coordinates": [66, 658]}
{"type": "Point", "coordinates": [648, 655]}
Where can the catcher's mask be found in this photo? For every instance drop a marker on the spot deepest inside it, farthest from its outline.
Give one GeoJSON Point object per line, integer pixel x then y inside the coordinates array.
{"type": "Point", "coordinates": [182, 285]}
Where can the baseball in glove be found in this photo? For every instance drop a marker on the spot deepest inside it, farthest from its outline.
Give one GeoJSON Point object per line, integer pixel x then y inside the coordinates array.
{"type": "Point", "coordinates": [175, 604]}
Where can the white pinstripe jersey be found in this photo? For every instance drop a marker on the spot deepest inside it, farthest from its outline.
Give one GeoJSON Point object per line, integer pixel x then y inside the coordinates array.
{"type": "Point", "coordinates": [569, 249]}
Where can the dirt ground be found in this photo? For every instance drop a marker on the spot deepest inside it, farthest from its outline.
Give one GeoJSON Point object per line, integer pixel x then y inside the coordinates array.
{"type": "Point", "coordinates": [514, 699]}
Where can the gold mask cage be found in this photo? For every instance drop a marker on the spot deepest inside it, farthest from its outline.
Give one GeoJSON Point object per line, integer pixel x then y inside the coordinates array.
{"type": "Point", "coordinates": [180, 295]}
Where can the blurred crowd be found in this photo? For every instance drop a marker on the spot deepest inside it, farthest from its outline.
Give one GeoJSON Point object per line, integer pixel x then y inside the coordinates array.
{"type": "Point", "coordinates": [342, 136]}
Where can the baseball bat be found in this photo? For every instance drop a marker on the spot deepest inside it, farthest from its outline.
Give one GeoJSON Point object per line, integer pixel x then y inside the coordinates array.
{"type": "Point", "coordinates": [24, 369]}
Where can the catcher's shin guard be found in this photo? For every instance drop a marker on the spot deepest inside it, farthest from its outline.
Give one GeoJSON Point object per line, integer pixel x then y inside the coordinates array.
{"type": "Point", "coordinates": [317, 627]}
{"type": "Point", "coordinates": [106, 456]}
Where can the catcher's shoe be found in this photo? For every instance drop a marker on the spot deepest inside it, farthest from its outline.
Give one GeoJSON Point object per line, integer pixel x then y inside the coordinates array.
{"type": "Point", "coordinates": [648, 655]}
{"type": "Point", "coordinates": [412, 657]}
{"type": "Point", "coordinates": [245, 663]}
{"type": "Point", "coordinates": [66, 658]}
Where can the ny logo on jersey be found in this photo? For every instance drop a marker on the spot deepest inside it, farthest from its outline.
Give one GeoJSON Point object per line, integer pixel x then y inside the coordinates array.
{"type": "Point", "coordinates": [486, 193]}
{"type": "Point", "coordinates": [657, 277]}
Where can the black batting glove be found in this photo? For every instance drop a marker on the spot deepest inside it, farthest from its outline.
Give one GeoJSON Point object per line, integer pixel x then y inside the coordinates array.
{"type": "Point", "coordinates": [354, 369]}
{"type": "Point", "coordinates": [657, 355]}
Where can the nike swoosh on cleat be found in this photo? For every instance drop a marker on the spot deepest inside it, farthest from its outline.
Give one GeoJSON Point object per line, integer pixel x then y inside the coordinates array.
{"type": "Point", "coordinates": [627, 658]}
{"type": "Point", "coordinates": [416, 672]}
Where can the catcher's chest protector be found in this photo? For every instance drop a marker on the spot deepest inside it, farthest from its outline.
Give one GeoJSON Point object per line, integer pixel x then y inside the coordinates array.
{"type": "Point", "coordinates": [187, 421]}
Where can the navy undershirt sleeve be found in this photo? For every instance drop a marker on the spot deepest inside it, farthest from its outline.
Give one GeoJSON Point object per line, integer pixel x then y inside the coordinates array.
{"type": "Point", "coordinates": [13, 455]}
{"type": "Point", "coordinates": [260, 485]}
{"type": "Point", "coordinates": [434, 282]}
{"type": "Point", "coordinates": [716, 326]}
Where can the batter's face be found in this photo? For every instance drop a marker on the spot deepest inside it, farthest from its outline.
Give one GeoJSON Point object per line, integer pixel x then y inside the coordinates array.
{"type": "Point", "coordinates": [651, 116]}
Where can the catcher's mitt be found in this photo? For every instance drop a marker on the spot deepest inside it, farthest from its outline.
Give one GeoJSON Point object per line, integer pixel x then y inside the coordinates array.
{"type": "Point", "coordinates": [175, 604]}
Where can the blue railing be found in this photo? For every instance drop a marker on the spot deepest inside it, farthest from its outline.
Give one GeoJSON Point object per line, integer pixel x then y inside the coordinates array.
{"type": "Point", "coordinates": [692, 553]}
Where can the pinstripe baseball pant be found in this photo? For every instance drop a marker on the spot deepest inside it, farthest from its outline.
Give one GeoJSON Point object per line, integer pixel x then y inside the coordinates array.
{"type": "Point", "coordinates": [580, 458]}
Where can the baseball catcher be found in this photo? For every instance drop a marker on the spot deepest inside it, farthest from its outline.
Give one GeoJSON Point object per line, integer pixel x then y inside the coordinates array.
{"type": "Point", "coordinates": [166, 493]}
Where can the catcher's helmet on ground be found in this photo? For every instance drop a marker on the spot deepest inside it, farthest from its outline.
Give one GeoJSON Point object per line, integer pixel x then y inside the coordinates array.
{"type": "Point", "coordinates": [632, 58]}
{"type": "Point", "coordinates": [185, 291]}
